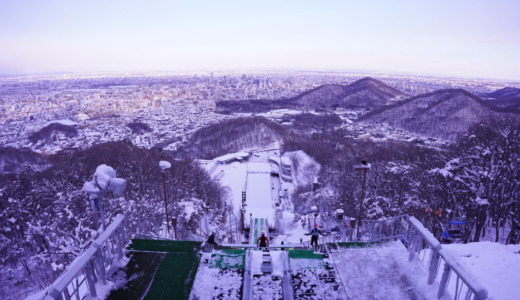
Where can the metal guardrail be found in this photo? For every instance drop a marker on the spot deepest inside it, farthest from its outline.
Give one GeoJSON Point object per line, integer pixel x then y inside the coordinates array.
{"type": "Point", "coordinates": [94, 265]}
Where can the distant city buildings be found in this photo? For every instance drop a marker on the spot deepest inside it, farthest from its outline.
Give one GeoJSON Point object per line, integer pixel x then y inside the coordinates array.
{"type": "Point", "coordinates": [174, 106]}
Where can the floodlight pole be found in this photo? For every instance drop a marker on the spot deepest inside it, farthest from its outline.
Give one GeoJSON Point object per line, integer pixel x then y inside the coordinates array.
{"type": "Point", "coordinates": [99, 197]}
{"type": "Point", "coordinates": [165, 202]}
{"type": "Point", "coordinates": [164, 165]}
{"type": "Point", "coordinates": [364, 166]}
{"type": "Point", "coordinates": [102, 211]}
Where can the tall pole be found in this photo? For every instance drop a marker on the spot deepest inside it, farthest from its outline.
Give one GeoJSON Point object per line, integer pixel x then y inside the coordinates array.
{"type": "Point", "coordinates": [165, 203]}
{"type": "Point", "coordinates": [362, 199]}
{"type": "Point", "coordinates": [364, 166]}
{"type": "Point", "coordinates": [102, 211]}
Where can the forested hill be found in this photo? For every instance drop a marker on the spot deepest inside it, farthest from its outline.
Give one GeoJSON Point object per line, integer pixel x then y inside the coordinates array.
{"type": "Point", "coordinates": [508, 97]}
{"type": "Point", "coordinates": [365, 93]}
{"type": "Point", "coordinates": [443, 114]}
{"type": "Point", "coordinates": [231, 136]}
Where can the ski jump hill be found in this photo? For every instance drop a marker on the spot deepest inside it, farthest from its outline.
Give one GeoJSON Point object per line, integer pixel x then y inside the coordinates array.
{"type": "Point", "coordinates": [395, 259]}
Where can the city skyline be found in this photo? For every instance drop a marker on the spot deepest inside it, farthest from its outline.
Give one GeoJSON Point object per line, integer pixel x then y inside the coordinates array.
{"type": "Point", "coordinates": [463, 39]}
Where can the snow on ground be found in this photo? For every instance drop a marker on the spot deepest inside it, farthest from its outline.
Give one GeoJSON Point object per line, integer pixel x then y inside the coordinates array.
{"type": "Point", "coordinates": [259, 198]}
{"type": "Point", "coordinates": [495, 265]}
{"type": "Point", "coordinates": [234, 180]}
{"type": "Point", "coordinates": [256, 262]}
{"type": "Point", "coordinates": [382, 272]}
{"type": "Point", "coordinates": [293, 232]}
{"type": "Point", "coordinates": [304, 168]}
{"type": "Point", "coordinates": [215, 283]}
{"type": "Point", "coordinates": [63, 121]}
{"type": "Point", "coordinates": [267, 287]}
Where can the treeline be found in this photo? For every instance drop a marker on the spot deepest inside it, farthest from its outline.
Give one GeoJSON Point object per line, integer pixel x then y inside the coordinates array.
{"type": "Point", "coordinates": [231, 136]}
{"type": "Point", "coordinates": [49, 132]}
{"type": "Point", "coordinates": [139, 127]}
{"type": "Point", "coordinates": [254, 106]}
{"type": "Point", "coordinates": [476, 179]}
{"type": "Point", "coordinates": [13, 159]}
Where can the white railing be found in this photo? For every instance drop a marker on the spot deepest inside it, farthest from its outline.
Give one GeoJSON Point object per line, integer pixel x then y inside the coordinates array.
{"type": "Point", "coordinates": [422, 245]}
{"type": "Point", "coordinates": [464, 286]}
{"type": "Point", "coordinates": [93, 266]}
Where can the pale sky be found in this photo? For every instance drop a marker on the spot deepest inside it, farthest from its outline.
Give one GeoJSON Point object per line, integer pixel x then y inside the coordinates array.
{"type": "Point", "coordinates": [465, 38]}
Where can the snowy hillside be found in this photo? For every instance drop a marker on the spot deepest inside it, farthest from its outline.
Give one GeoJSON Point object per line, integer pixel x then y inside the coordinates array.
{"type": "Point", "coordinates": [443, 114]}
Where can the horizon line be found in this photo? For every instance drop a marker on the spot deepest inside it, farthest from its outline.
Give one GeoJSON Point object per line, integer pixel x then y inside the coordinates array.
{"type": "Point", "coordinates": [116, 74]}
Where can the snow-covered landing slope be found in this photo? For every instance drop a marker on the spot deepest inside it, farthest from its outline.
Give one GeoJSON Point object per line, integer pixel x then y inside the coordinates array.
{"type": "Point", "coordinates": [382, 272]}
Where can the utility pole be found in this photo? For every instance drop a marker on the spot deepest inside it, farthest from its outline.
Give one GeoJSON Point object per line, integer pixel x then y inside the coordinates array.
{"type": "Point", "coordinates": [364, 166]}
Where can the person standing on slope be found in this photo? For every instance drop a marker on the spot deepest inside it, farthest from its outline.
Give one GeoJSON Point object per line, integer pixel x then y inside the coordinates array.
{"type": "Point", "coordinates": [262, 241]}
{"type": "Point", "coordinates": [315, 233]}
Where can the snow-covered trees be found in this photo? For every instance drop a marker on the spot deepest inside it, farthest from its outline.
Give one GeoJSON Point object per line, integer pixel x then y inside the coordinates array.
{"type": "Point", "coordinates": [484, 176]}
{"type": "Point", "coordinates": [45, 218]}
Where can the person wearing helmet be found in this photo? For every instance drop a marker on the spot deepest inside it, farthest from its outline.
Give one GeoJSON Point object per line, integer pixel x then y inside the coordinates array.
{"type": "Point", "coordinates": [263, 240]}
{"type": "Point", "coordinates": [315, 233]}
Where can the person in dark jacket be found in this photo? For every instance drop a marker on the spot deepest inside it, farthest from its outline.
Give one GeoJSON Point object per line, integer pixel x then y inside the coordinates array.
{"type": "Point", "coordinates": [263, 241]}
{"type": "Point", "coordinates": [211, 239]}
{"type": "Point", "coordinates": [315, 233]}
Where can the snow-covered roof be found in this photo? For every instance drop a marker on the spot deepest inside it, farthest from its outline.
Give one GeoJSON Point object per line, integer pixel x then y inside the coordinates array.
{"type": "Point", "coordinates": [231, 156]}
{"type": "Point", "coordinates": [258, 167]}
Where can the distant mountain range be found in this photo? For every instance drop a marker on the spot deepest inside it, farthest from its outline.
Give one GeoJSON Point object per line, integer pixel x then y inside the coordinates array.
{"type": "Point", "coordinates": [364, 93]}
{"type": "Point", "coordinates": [508, 97]}
{"type": "Point", "coordinates": [441, 114]}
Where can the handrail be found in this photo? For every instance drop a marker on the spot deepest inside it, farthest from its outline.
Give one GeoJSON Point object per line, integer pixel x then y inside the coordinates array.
{"type": "Point", "coordinates": [427, 235]}
{"type": "Point", "coordinates": [411, 232]}
{"type": "Point", "coordinates": [451, 263]}
{"type": "Point", "coordinates": [90, 262]}
{"type": "Point", "coordinates": [468, 278]}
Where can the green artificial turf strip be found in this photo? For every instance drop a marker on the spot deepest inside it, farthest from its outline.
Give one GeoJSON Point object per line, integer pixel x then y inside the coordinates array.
{"type": "Point", "coordinates": [175, 276]}
{"type": "Point", "coordinates": [139, 272]}
{"type": "Point", "coordinates": [164, 246]}
{"type": "Point", "coordinates": [228, 259]}
{"type": "Point", "coordinates": [358, 244]}
{"type": "Point", "coordinates": [304, 254]}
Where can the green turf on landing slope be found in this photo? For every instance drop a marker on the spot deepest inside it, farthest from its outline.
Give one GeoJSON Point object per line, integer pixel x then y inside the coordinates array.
{"type": "Point", "coordinates": [164, 246]}
{"type": "Point", "coordinates": [175, 276]}
{"type": "Point", "coordinates": [304, 254]}
{"type": "Point", "coordinates": [228, 259]}
{"type": "Point", "coordinates": [358, 244]}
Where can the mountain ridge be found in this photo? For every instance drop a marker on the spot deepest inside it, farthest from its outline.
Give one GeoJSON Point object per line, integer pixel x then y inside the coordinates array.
{"type": "Point", "coordinates": [508, 97]}
{"type": "Point", "coordinates": [441, 114]}
{"type": "Point", "coordinates": [363, 93]}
